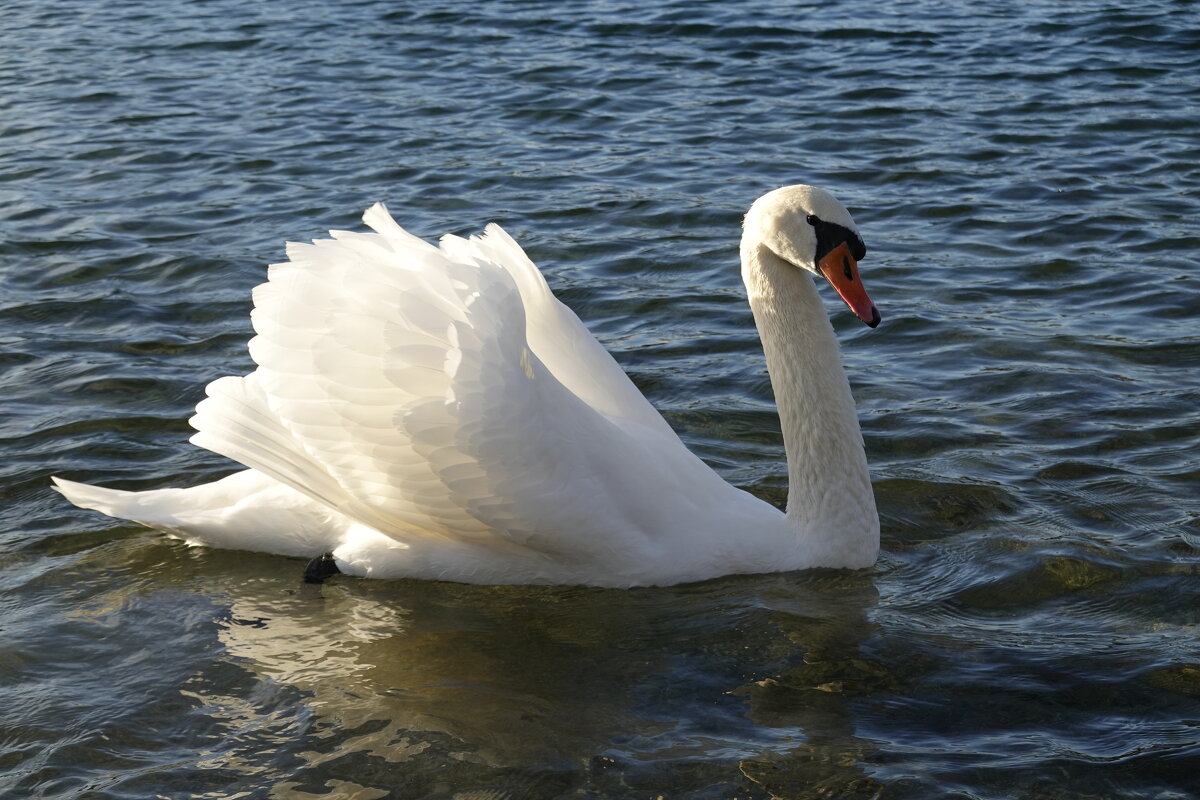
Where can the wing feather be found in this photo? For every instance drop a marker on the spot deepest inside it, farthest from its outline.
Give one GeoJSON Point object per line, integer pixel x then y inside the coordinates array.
{"type": "Point", "coordinates": [430, 391]}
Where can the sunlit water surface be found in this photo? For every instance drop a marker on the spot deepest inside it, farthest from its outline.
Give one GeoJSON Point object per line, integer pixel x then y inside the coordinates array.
{"type": "Point", "coordinates": [1025, 176]}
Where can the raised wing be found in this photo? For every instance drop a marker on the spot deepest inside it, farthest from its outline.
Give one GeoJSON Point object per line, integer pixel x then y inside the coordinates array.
{"type": "Point", "coordinates": [435, 391]}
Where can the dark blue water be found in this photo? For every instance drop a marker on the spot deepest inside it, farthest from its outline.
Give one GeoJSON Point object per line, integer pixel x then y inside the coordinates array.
{"type": "Point", "coordinates": [1026, 178]}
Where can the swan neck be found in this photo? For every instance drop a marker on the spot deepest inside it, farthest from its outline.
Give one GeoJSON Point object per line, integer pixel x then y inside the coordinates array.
{"type": "Point", "coordinates": [830, 501]}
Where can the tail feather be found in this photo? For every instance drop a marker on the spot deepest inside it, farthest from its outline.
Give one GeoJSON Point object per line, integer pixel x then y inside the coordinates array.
{"type": "Point", "coordinates": [243, 511]}
{"type": "Point", "coordinates": [113, 502]}
{"type": "Point", "coordinates": [163, 509]}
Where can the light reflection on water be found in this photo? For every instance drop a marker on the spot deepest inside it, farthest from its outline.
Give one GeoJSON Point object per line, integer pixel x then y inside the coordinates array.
{"type": "Point", "coordinates": [525, 691]}
{"type": "Point", "coordinates": [524, 676]}
{"type": "Point", "coordinates": [1026, 181]}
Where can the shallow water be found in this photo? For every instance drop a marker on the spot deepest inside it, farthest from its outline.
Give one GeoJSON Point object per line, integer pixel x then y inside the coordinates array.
{"type": "Point", "coordinates": [1025, 176]}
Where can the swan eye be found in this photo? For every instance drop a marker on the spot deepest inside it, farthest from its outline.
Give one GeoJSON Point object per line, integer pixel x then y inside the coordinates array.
{"type": "Point", "coordinates": [813, 220]}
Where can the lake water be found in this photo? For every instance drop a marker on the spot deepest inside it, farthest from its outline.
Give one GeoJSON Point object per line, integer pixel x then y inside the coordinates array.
{"type": "Point", "coordinates": [1026, 178]}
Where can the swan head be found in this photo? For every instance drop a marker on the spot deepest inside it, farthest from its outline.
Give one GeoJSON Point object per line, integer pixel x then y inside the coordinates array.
{"type": "Point", "coordinates": [808, 228]}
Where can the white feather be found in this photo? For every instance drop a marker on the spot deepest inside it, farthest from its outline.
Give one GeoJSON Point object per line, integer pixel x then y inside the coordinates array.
{"type": "Point", "coordinates": [436, 412]}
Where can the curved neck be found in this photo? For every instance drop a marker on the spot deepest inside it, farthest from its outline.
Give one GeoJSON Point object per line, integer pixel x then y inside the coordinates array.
{"type": "Point", "coordinates": [830, 501]}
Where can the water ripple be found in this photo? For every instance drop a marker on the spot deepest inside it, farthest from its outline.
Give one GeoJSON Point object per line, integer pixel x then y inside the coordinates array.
{"type": "Point", "coordinates": [1026, 179]}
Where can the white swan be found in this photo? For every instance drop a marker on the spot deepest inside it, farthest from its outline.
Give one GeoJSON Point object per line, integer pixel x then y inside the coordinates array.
{"type": "Point", "coordinates": [436, 413]}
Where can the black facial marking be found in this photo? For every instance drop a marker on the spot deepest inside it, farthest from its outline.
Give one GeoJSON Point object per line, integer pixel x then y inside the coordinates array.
{"type": "Point", "coordinates": [830, 235]}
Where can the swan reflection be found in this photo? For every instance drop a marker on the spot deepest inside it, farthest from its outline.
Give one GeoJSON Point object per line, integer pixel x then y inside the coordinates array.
{"type": "Point", "coordinates": [574, 680]}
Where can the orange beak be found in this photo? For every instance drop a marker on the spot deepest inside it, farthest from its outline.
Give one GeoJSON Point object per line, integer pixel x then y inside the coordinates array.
{"type": "Point", "coordinates": [839, 268]}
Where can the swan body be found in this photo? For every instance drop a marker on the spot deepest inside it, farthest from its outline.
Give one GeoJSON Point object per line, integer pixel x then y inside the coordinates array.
{"type": "Point", "coordinates": [435, 412]}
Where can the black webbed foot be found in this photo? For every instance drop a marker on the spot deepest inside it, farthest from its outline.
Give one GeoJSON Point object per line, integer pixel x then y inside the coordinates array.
{"type": "Point", "coordinates": [320, 568]}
